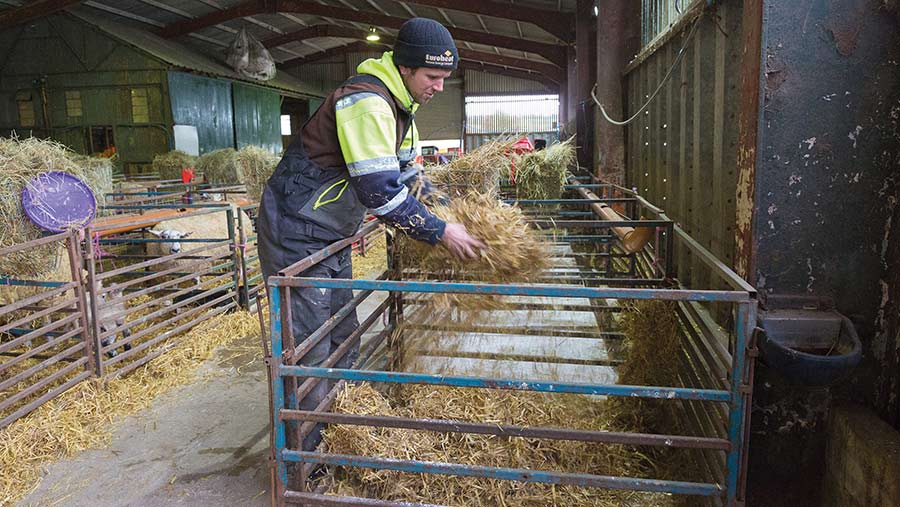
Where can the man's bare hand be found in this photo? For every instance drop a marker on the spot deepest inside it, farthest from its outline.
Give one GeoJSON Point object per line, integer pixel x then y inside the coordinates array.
{"type": "Point", "coordinates": [460, 243]}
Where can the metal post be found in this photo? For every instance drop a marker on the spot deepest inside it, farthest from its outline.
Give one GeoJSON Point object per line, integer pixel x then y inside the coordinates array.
{"type": "Point", "coordinates": [745, 321]}
{"type": "Point", "coordinates": [75, 265]}
{"type": "Point", "coordinates": [229, 213]}
{"type": "Point", "coordinates": [245, 289]}
{"type": "Point", "coordinates": [93, 287]}
{"type": "Point", "coordinates": [279, 437]}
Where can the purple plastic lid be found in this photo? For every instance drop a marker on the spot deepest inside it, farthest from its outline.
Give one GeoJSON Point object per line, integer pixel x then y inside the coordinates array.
{"type": "Point", "coordinates": [57, 201]}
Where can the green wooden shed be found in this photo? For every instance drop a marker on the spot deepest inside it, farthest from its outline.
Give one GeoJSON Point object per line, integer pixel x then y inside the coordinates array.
{"type": "Point", "coordinates": [94, 84]}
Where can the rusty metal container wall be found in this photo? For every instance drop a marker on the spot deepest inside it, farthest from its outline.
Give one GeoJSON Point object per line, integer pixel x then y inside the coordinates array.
{"type": "Point", "coordinates": [681, 152]}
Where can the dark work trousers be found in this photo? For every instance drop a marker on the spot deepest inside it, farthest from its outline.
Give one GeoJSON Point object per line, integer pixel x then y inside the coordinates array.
{"type": "Point", "coordinates": [282, 243]}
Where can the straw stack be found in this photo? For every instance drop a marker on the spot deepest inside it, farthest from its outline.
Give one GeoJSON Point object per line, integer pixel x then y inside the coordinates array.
{"type": "Point", "coordinates": [257, 165]}
{"type": "Point", "coordinates": [221, 167]}
{"type": "Point", "coordinates": [478, 171]}
{"type": "Point", "coordinates": [169, 165]}
{"type": "Point", "coordinates": [542, 174]}
{"type": "Point", "coordinates": [20, 161]}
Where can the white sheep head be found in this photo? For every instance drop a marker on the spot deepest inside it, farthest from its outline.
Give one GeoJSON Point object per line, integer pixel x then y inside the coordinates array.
{"type": "Point", "coordinates": [174, 245]}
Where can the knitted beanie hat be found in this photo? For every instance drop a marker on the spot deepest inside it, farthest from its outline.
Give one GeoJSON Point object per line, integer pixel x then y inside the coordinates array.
{"type": "Point", "coordinates": [424, 42]}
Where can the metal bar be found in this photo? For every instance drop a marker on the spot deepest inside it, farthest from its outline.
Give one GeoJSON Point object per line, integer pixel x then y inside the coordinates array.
{"type": "Point", "coordinates": [48, 345]}
{"type": "Point", "coordinates": [29, 301]}
{"type": "Point", "coordinates": [32, 244]}
{"type": "Point", "coordinates": [9, 345]}
{"type": "Point", "coordinates": [313, 339]}
{"type": "Point", "coordinates": [509, 474]}
{"type": "Point", "coordinates": [595, 224]}
{"type": "Point", "coordinates": [43, 383]}
{"type": "Point", "coordinates": [164, 259]}
{"type": "Point", "coordinates": [448, 426]}
{"type": "Point", "coordinates": [745, 322]}
{"type": "Point", "coordinates": [521, 330]}
{"type": "Point", "coordinates": [304, 264]}
{"type": "Point", "coordinates": [509, 384]}
{"type": "Point", "coordinates": [21, 376]}
{"type": "Point", "coordinates": [26, 409]}
{"type": "Point", "coordinates": [277, 390]}
{"type": "Point", "coordinates": [513, 290]}
{"type": "Point", "coordinates": [346, 501]}
{"type": "Point", "coordinates": [160, 325]}
{"type": "Point", "coordinates": [570, 201]}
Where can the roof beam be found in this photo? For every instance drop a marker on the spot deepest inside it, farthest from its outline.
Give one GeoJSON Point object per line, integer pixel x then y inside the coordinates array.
{"type": "Point", "coordinates": [463, 64]}
{"type": "Point", "coordinates": [554, 53]}
{"type": "Point", "coordinates": [33, 10]}
{"type": "Point", "coordinates": [494, 61]}
{"type": "Point", "coordinates": [559, 24]}
{"type": "Point", "coordinates": [503, 71]}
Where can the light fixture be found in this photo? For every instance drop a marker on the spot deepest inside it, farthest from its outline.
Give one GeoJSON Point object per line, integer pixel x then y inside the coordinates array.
{"type": "Point", "coordinates": [372, 35]}
{"type": "Point", "coordinates": [596, 11]}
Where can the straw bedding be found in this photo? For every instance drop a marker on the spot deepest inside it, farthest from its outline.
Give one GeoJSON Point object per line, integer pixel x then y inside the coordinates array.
{"type": "Point", "coordinates": [494, 407]}
{"type": "Point", "coordinates": [84, 416]}
{"type": "Point", "coordinates": [169, 165]}
{"type": "Point", "coordinates": [20, 161]}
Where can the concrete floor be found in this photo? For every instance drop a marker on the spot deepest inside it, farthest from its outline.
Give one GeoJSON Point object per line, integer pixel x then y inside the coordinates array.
{"type": "Point", "coordinates": [201, 445]}
{"type": "Point", "coordinates": [204, 444]}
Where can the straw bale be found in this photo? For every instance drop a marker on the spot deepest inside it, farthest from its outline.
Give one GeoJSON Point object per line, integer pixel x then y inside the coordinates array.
{"type": "Point", "coordinates": [20, 161]}
{"type": "Point", "coordinates": [542, 174]}
{"type": "Point", "coordinates": [478, 171]}
{"type": "Point", "coordinates": [485, 406]}
{"type": "Point", "coordinates": [169, 165]}
{"type": "Point", "coordinates": [86, 416]}
{"type": "Point", "coordinates": [257, 166]}
{"type": "Point", "coordinates": [221, 167]}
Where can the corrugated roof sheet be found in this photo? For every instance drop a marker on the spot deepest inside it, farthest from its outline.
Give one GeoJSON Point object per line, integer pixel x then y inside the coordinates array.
{"type": "Point", "coordinates": [183, 57]}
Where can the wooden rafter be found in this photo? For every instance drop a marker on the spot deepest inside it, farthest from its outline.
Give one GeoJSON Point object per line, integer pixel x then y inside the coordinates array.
{"type": "Point", "coordinates": [553, 52]}
{"type": "Point", "coordinates": [559, 24]}
{"type": "Point", "coordinates": [360, 46]}
{"type": "Point", "coordinates": [33, 10]}
{"type": "Point", "coordinates": [553, 72]}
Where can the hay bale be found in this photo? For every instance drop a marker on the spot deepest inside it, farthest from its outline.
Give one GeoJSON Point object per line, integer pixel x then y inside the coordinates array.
{"type": "Point", "coordinates": [478, 171]}
{"type": "Point", "coordinates": [221, 167]}
{"type": "Point", "coordinates": [494, 407]}
{"type": "Point", "coordinates": [20, 161]}
{"type": "Point", "coordinates": [169, 165]}
{"type": "Point", "coordinates": [257, 166]}
{"type": "Point", "coordinates": [542, 174]}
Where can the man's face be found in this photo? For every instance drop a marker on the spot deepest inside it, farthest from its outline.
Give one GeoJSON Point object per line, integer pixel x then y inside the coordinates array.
{"type": "Point", "coordinates": [423, 82]}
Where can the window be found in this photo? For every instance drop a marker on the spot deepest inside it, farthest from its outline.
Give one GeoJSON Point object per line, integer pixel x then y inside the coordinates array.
{"type": "Point", "coordinates": [73, 104]}
{"type": "Point", "coordinates": [511, 114]}
{"type": "Point", "coordinates": [285, 124]}
{"type": "Point", "coordinates": [140, 106]}
{"type": "Point", "coordinates": [25, 105]}
{"type": "Point", "coordinates": [658, 17]}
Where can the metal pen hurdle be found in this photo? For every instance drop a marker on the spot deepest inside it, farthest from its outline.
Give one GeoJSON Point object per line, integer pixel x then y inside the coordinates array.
{"type": "Point", "coordinates": [713, 394]}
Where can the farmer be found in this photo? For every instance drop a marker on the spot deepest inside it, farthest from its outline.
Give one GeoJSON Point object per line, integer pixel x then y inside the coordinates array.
{"type": "Point", "coordinates": [348, 158]}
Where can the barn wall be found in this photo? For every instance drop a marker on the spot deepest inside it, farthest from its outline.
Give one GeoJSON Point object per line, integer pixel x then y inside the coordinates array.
{"type": "Point", "coordinates": [206, 104]}
{"type": "Point", "coordinates": [257, 117]}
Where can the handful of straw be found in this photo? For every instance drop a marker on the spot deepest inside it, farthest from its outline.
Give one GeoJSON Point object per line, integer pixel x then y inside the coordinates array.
{"type": "Point", "coordinates": [515, 253]}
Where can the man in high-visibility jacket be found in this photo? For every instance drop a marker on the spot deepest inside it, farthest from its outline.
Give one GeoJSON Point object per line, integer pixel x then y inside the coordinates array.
{"type": "Point", "coordinates": [347, 159]}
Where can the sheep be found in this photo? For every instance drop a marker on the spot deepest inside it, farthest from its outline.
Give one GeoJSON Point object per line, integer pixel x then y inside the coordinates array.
{"type": "Point", "coordinates": [209, 226]}
{"type": "Point", "coordinates": [110, 317]}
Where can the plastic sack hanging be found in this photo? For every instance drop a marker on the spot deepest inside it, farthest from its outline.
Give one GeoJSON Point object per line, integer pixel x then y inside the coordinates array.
{"type": "Point", "coordinates": [250, 58]}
